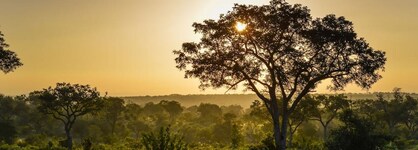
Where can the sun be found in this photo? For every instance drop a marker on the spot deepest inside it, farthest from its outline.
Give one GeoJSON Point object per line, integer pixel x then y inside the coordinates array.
{"type": "Point", "coordinates": [240, 26]}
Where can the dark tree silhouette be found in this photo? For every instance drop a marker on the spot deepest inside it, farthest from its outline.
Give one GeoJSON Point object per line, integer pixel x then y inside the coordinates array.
{"type": "Point", "coordinates": [66, 102]}
{"type": "Point", "coordinates": [281, 53]}
{"type": "Point", "coordinates": [8, 59]}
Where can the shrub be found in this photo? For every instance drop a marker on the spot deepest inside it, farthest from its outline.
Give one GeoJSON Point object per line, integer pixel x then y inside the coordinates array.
{"type": "Point", "coordinates": [164, 140]}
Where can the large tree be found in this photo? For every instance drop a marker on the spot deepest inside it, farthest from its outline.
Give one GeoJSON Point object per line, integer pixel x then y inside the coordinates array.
{"type": "Point", "coordinates": [8, 59]}
{"type": "Point", "coordinates": [66, 102]}
{"type": "Point", "coordinates": [279, 52]}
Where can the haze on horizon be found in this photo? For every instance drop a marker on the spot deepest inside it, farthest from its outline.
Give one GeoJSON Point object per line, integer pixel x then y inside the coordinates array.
{"type": "Point", "coordinates": [125, 47]}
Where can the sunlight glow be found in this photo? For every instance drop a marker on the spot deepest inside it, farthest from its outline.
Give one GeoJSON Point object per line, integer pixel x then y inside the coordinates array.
{"type": "Point", "coordinates": [240, 26]}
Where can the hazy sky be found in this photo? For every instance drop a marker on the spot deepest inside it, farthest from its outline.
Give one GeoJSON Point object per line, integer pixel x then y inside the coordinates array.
{"type": "Point", "coordinates": [125, 46]}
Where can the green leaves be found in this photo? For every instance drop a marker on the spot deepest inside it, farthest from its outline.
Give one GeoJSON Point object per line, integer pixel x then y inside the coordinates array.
{"type": "Point", "coordinates": [357, 133]}
{"type": "Point", "coordinates": [163, 140]}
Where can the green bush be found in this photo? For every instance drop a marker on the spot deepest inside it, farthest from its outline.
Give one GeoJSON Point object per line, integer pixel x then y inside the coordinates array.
{"type": "Point", "coordinates": [357, 133]}
{"type": "Point", "coordinates": [164, 140]}
{"type": "Point", "coordinates": [266, 144]}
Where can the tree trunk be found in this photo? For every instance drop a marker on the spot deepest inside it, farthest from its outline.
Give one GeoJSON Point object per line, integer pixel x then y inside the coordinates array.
{"type": "Point", "coordinates": [285, 120]}
{"type": "Point", "coordinates": [290, 137]}
{"type": "Point", "coordinates": [276, 128]}
{"type": "Point", "coordinates": [69, 139]}
{"type": "Point", "coordinates": [113, 127]}
{"type": "Point", "coordinates": [276, 123]}
{"type": "Point", "coordinates": [325, 129]}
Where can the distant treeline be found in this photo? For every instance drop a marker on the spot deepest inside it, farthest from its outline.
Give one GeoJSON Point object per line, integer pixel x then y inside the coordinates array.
{"type": "Point", "coordinates": [245, 100]}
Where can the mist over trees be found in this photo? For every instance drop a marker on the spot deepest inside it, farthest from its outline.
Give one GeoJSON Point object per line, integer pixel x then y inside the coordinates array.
{"type": "Point", "coordinates": [116, 124]}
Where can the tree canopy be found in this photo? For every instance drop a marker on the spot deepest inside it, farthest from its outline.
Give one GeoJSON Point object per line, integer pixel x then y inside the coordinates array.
{"type": "Point", "coordinates": [66, 102]}
{"type": "Point", "coordinates": [8, 59]}
{"type": "Point", "coordinates": [281, 51]}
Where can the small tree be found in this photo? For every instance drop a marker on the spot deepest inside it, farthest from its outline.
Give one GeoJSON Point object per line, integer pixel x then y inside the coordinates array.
{"type": "Point", "coordinates": [66, 102]}
{"type": "Point", "coordinates": [133, 121]}
{"type": "Point", "coordinates": [304, 111]}
{"type": "Point", "coordinates": [410, 116]}
{"type": "Point", "coordinates": [172, 107]}
{"type": "Point", "coordinates": [164, 140]}
{"type": "Point", "coordinates": [279, 52]}
{"type": "Point", "coordinates": [236, 137]}
{"type": "Point", "coordinates": [327, 108]}
{"type": "Point", "coordinates": [7, 108]}
{"type": "Point", "coordinates": [8, 59]}
{"type": "Point", "coordinates": [112, 112]}
{"type": "Point", "coordinates": [209, 113]}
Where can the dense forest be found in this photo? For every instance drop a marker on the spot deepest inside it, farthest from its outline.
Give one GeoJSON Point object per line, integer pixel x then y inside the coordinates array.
{"type": "Point", "coordinates": [321, 122]}
{"type": "Point", "coordinates": [278, 52]}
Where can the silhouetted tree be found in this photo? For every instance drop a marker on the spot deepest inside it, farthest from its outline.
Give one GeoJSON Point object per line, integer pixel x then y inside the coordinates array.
{"type": "Point", "coordinates": [66, 102]}
{"type": "Point", "coordinates": [8, 59]}
{"type": "Point", "coordinates": [281, 53]}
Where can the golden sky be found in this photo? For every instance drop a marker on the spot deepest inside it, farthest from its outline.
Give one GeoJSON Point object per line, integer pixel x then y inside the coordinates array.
{"type": "Point", "coordinates": [125, 46]}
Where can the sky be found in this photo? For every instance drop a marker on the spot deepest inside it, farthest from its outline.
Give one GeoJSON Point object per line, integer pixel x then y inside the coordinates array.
{"type": "Point", "coordinates": [125, 47]}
